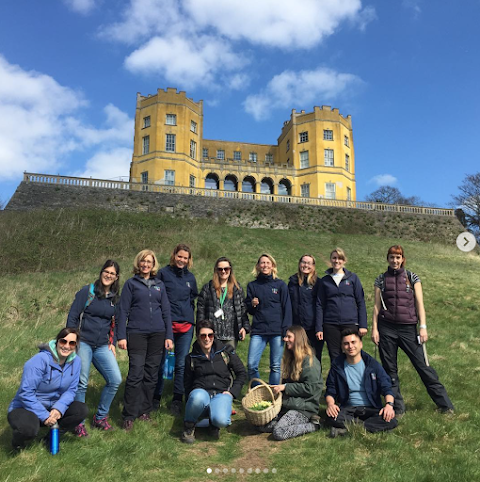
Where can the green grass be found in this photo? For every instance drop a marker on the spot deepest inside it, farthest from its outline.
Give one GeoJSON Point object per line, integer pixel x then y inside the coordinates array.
{"type": "Point", "coordinates": [46, 257]}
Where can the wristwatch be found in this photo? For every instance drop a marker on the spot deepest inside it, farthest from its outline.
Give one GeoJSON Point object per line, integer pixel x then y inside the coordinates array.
{"type": "Point", "coordinates": [389, 403]}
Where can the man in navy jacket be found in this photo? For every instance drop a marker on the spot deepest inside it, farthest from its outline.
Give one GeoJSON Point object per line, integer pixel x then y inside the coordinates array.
{"type": "Point", "coordinates": [355, 385]}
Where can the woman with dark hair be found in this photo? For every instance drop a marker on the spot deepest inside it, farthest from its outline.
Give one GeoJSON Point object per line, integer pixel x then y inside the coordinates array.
{"type": "Point", "coordinates": [221, 301]}
{"type": "Point", "coordinates": [303, 287]}
{"type": "Point", "coordinates": [214, 376]}
{"type": "Point", "coordinates": [269, 303]}
{"type": "Point", "coordinates": [93, 314]}
{"type": "Point", "coordinates": [340, 304]}
{"type": "Point", "coordinates": [302, 385]}
{"type": "Point", "coordinates": [47, 390]}
{"type": "Point", "coordinates": [144, 303]}
{"type": "Point", "coordinates": [398, 309]}
{"type": "Point", "coordinates": [182, 290]}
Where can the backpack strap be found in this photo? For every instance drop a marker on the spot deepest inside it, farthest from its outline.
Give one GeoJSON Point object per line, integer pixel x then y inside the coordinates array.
{"type": "Point", "coordinates": [91, 296]}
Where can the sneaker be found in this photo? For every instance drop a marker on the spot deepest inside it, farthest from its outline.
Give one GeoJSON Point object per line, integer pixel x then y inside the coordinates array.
{"type": "Point", "coordinates": [215, 432]}
{"type": "Point", "coordinates": [188, 435]}
{"type": "Point", "coordinates": [234, 412]}
{"type": "Point", "coordinates": [337, 432]}
{"type": "Point", "coordinates": [145, 417]}
{"type": "Point", "coordinates": [81, 431]}
{"type": "Point", "coordinates": [176, 408]}
{"type": "Point", "coordinates": [316, 420]}
{"type": "Point", "coordinates": [101, 423]}
{"type": "Point", "coordinates": [445, 410]}
{"type": "Point", "coordinates": [127, 425]}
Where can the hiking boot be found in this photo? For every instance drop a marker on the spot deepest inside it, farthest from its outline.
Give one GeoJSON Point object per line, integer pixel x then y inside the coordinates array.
{"type": "Point", "coordinates": [145, 417]}
{"type": "Point", "coordinates": [101, 423]}
{"type": "Point", "coordinates": [188, 435]}
{"type": "Point", "coordinates": [337, 432]}
{"type": "Point", "coordinates": [127, 425]}
{"type": "Point", "coordinates": [81, 431]}
{"type": "Point", "coordinates": [215, 432]}
{"type": "Point", "coordinates": [176, 408]}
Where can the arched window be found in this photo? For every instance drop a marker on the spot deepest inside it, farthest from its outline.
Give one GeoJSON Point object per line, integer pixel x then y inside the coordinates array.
{"type": "Point", "coordinates": [248, 184]}
{"type": "Point", "coordinates": [285, 188]}
{"type": "Point", "coordinates": [230, 183]}
{"type": "Point", "coordinates": [211, 181]}
{"type": "Point", "coordinates": [266, 187]}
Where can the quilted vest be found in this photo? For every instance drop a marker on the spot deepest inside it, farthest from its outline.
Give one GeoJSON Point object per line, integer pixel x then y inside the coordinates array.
{"type": "Point", "coordinates": [399, 298]}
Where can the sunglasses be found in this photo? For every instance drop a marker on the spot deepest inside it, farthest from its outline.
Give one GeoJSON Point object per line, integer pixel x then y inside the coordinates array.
{"type": "Point", "coordinates": [227, 270]}
{"type": "Point", "coordinates": [204, 336]}
{"type": "Point", "coordinates": [71, 344]}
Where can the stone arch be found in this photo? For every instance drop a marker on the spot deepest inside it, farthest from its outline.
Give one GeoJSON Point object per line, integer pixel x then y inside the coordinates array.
{"type": "Point", "coordinates": [285, 187]}
{"type": "Point", "coordinates": [211, 181]}
{"type": "Point", "coordinates": [230, 183]}
{"type": "Point", "coordinates": [266, 186]}
{"type": "Point", "coordinates": [248, 184]}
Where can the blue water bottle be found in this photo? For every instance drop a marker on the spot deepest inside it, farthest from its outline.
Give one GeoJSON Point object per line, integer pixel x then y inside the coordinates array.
{"type": "Point", "coordinates": [54, 439]}
{"type": "Point", "coordinates": [169, 366]}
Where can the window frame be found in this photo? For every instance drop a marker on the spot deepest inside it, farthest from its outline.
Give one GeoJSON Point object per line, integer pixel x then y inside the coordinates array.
{"type": "Point", "coordinates": [304, 156]}
{"type": "Point", "coordinates": [171, 117]}
{"type": "Point", "coordinates": [145, 145]}
{"type": "Point", "coordinates": [330, 159]}
{"type": "Point", "coordinates": [172, 142]}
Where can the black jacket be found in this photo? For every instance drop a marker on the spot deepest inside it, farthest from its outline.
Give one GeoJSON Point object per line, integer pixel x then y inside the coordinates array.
{"type": "Point", "coordinates": [213, 374]}
{"type": "Point", "coordinates": [304, 300]}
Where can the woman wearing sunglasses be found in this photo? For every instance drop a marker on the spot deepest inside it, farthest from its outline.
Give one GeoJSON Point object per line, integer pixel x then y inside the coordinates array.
{"type": "Point", "coordinates": [92, 313]}
{"type": "Point", "coordinates": [221, 301]}
{"type": "Point", "coordinates": [214, 376]}
{"type": "Point", "coordinates": [47, 390]}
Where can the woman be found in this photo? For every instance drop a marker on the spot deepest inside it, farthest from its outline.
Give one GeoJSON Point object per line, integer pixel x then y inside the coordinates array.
{"type": "Point", "coordinates": [301, 386]}
{"type": "Point", "coordinates": [221, 301]}
{"type": "Point", "coordinates": [93, 312]}
{"type": "Point", "coordinates": [269, 303]}
{"type": "Point", "coordinates": [340, 304]}
{"type": "Point", "coordinates": [144, 303]}
{"type": "Point", "coordinates": [303, 287]}
{"type": "Point", "coordinates": [214, 376]}
{"type": "Point", "coordinates": [47, 390]}
{"type": "Point", "coordinates": [397, 311]}
{"type": "Point", "coordinates": [182, 290]}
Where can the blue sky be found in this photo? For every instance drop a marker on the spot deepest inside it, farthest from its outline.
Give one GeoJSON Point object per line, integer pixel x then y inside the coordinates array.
{"type": "Point", "coordinates": [407, 71]}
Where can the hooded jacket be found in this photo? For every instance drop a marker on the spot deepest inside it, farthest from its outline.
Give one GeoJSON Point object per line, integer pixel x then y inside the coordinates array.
{"type": "Point", "coordinates": [303, 299]}
{"type": "Point", "coordinates": [45, 384]}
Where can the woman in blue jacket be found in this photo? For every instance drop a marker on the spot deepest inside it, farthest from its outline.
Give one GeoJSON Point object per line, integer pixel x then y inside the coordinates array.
{"type": "Point", "coordinates": [92, 313]}
{"type": "Point", "coordinates": [303, 287]}
{"type": "Point", "coordinates": [269, 303]}
{"type": "Point", "coordinates": [340, 304]}
{"type": "Point", "coordinates": [182, 290]}
{"type": "Point", "coordinates": [47, 390]}
{"type": "Point", "coordinates": [144, 303]}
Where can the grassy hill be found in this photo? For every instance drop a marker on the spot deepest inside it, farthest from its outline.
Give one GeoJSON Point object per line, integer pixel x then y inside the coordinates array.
{"type": "Point", "coordinates": [45, 257]}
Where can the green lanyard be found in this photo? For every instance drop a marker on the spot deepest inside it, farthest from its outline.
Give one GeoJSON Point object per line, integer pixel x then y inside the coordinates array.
{"type": "Point", "coordinates": [223, 296]}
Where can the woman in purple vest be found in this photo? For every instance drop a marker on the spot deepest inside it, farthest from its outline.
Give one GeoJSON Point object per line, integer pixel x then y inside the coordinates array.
{"type": "Point", "coordinates": [397, 311]}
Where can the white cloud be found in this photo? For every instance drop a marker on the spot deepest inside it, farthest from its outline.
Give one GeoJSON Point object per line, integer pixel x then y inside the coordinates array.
{"type": "Point", "coordinates": [39, 124]}
{"type": "Point", "coordinates": [383, 180]}
{"type": "Point", "coordinates": [302, 88]}
{"type": "Point", "coordinates": [109, 164]}
{"type": "Point", "coordinates": [414, 6]}
{"type": "Point", "coordinates": [81, 6]}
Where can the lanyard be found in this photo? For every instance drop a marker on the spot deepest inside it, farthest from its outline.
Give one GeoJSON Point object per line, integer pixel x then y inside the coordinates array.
{"type": "Point", "coordinates": [223, 296]}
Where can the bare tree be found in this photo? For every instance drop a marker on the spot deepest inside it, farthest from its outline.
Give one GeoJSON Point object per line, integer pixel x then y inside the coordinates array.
{"type": "Point", "coordinates": [468, 201]}
{"type": "Point", "coordinates": [392, 195]}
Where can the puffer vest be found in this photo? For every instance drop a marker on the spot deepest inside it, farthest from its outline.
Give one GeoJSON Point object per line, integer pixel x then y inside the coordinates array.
{"type": "Point", "coordinates": [399, 298]}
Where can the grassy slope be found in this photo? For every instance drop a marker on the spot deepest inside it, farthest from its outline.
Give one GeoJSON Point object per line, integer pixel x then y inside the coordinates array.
{"type": "Point", "coordinates": [46, 257]}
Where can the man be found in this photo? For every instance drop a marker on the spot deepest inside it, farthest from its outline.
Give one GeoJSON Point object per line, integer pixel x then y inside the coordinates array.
{"type": "Point", "coordinates": [355, 384]}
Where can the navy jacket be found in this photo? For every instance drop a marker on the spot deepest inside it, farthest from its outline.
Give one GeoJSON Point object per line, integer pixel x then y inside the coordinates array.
{"type": "Point", "coordinates": [273, 315]}
{"type": "Point", "coordinates": [343, 304]}
{"type": "Point", "coordinates": [94, 326]}
{"type": "Point", "coordinates": [376, 381]}
{"type": "Point", "coordinates": [181, 290]}
{"type": "Point", "coordinates": [146, 307]}
{"type": "Point", "coordinates": [303, 299]}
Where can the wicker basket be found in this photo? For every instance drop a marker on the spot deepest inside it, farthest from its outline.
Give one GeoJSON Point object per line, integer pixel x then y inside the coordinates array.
{"type": "Point", "coordinates": [261, 393]}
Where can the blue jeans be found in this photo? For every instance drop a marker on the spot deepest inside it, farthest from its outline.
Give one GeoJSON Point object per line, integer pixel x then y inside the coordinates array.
{"type": "Point", "coordinates": [201, 404]}
{"type": "Point", "coordinates": [105, 362]}
{"type": "Point", "coordinates": [258, 344]}
{"type": "Point", "coordinates": [182, 343]}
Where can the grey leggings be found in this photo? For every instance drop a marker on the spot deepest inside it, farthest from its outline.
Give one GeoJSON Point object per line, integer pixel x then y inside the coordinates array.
{"type": "Point", "coordinates": [292, 424]}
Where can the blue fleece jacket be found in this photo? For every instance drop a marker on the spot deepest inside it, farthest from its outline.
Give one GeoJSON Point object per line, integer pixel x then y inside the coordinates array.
{"type": "Point", "coordinates": [144, 303]}
{"type": "Point", "coordinates": [340, 305]}
{"type": "Point", "coordinates": [181, 290]}
{"type": "Point", "coordinates": [273, 314]}
{"type": "Point", "coordinates": [94, 326]}
{"type": "Point", "coordinates": [375, 378]}
{"type": "Point", "coordinates": [303, 299]}
{"type": "Point", "coordinates": [47, 385]}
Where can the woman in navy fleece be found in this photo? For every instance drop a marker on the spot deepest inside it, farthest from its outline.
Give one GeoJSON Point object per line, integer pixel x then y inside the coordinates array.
{"type": "Point", "coordinates": [269, 303]}
{"type": "Point", "coordinates": [144, 303]}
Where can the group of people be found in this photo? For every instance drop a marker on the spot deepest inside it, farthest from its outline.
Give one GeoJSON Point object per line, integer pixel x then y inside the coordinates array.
{"type": "Point", "coordinates": [156, 313]}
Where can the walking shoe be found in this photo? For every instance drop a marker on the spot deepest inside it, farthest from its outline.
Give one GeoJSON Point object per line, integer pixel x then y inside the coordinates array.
{"type": "Point", "coordinates": [81, 431]}
{"type": "Point", "coordinates": [337, 432]}
{"type": "Point", "coordinates": [176, 408]}
{"type": "Point", "coordinates": [101, 423]}
{"type": "Point", "coordinates": [145, 417]}
{"type": "Point", "coordinates": [234, 412]}
{"type": "Point", "coordinates": [215, 432]}
{"type": "Point", "coordinates": [445, 410]}
{"type": "Point", "coordinates": [188, 435]}
{"type": "Point", "coordinates": [127, 425]}
{"type": "Point", "coordinates": [316, 420]}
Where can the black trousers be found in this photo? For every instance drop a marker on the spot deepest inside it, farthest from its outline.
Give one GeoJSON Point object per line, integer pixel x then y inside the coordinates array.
{"type": "Point", "coordinates": [316, 344]}
{"type": "Point", "coordinates": [395, 335]}
{"type": "Point", "coordinates": [145, 352]}
{"type": "Point", "coordinates": [372, 421]}
{"type": "Point", "coordinates": [333, 338]}
{"type": "Point", "coordinates": [26, 424]}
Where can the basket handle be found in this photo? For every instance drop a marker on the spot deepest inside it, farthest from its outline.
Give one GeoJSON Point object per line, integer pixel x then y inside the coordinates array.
{"type": "Point", "coordinates": [261, 383]}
